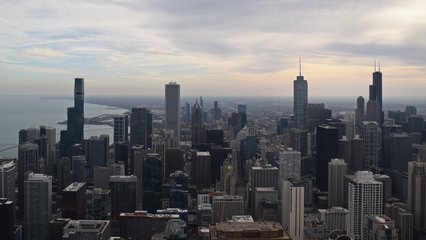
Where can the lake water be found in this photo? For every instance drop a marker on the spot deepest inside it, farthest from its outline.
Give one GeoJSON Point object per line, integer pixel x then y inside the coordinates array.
{"type": "Point", "coordinates": [17, 112]}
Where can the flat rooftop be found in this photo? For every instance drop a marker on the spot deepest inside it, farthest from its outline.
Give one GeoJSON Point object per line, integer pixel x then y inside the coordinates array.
{"type": "Point", "coordinates": [74, 187]}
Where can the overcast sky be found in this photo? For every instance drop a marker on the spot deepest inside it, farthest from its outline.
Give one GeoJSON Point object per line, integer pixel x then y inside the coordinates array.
{"type": "Point", "coordinates": [239, 47]}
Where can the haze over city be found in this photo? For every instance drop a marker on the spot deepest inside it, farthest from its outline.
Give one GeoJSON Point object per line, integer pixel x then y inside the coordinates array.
{"type": "Point", "coordinates": [251, 47]}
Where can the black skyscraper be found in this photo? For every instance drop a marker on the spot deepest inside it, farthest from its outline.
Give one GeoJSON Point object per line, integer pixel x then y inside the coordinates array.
{"type": "Point", "coordinates": [327, 144]}
{"type": "Point", "coordinates": [376, 92]}
{"type": "Point", "coordinates": [141, 127]}
{"type": "Point", "coordinates": [78, 110]}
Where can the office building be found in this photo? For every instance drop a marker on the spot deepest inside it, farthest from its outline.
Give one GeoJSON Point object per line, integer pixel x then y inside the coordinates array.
{"type": "Point", "coordinates": [173, 108]}
{"type": "Point", "coordinates": [336, 218]}
{"type": "Point", "coordinates": [74, 201]}
{"type": "Point", "coordinates": [101, 175]}
{"type": "Point", "coordinates": [337, 169]}
{"type": "Point", "coordinates": [28, 156]}
{"type": "Point", "coordinates": [121, 128]}
{"type": "Point", "coordinates": [7, 219]}
{"type": "Point", "coordinates": [152, 182]}
{"type": "Point", "coordinates": [197, 129]}
{"type": "Point", "coordinates": [263, 176]}
{"type": "Point", "coordinates": [293, 209]}
{"type": "Point", "coordinates": [417, 193]}
{"type": "Point", "coordinates": [360, 110]}
{"type": "Point", "coordinates": [226, 206]}
{"type": "Point", "coordinates": [379, 227]}
{"type": "Point", "coordinates": [87, 229]}
{"type": "Point", "coordinates": [372, 138]}
{"type": "Point", "coordinates": [326, 149]}
{"type": "Point", "coordinates": [123, 195]}
{"type": "Point", "coordinates": [356, 162]}
{"type": "Point", "coordinates": [56, 228]}
{"type": "Point", "coordinates": [141, 127]}
{"type": "Point", "coordinates": [37, 206]}
{"type": "Point", "coordinates": [174, 161]}
{"type": "Point", "coordinates": [375, 93]}
{"type": "Point", "coordinates": [317, 115]}
{"type": "Point", "coordinates": [201, 169]}
{"type": "Point", "coordinates": [299, 140]}
{"type": "Point", "coordinates": [262, 195]}
{"type": "Point", "coordinates": [289, 164]}
{"type": "Point", "coordinates": [78, 110]}
{"type": "Point", "coordinates": [403, 219]}
{"type": "Point", "coordinates": [78, 168]}
{"type": "Point", "coordinates": [365, 196]}
{"type": "Point", "coordinates": [121, 154]}
{"type": "Point", "coordinates": [242, 116]}
{"type": "Point", "coordinates": [7, 180]}
{"type": "Point", "coordinates": [98, 204]}
{"type": "Point", "coordinates": [300, 101]}
{"type": "Point", "coordinates": [96, 151]}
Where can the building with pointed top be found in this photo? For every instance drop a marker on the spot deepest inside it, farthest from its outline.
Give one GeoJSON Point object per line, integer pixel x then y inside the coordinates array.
{"type": "Point", "coordinates": [300, 101]}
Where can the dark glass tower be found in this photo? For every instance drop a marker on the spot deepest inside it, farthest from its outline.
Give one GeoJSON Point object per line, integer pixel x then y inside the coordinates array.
{"type": "Point", "coordinates": [78, 110]}
{"type": "Point", "coordinates": [141, 127]}
{"type": "Point", "coordinates": [327, 144]}
{"type": "Point", "coordinates": [300, 101]}
{"type": "Point", "coordinates": [376, 92]}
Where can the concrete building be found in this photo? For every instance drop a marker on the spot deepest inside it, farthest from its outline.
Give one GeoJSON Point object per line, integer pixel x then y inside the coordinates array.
{"type": "Point", "coordinates": [337, 169]}
{"type": "Point", "coordinates": [403, 219]}
{"type": "Point", "coordinates": [365, 196]}
{"type": "Point", "coordinates": [172, 94]}
{"type": "Point", "coordinates": [37, 206]}
{"type": "Point", "coordinates": [293, 209]}
{"type": "Point", "coordinates": [417, 193]}
{"type": "Point", "coordinates": [87, 230]}
{"type": "Point", "coordinates": [248, 230]}
{"type": "Point", "coordinates": [379, 227]}
{"type": "Point", "coordinates": [226, 206]}
{"type": "Point", "coordinates": [263, 176]}
{"type": "Point", "coordinates": [336, 218]}
{"type": "Point", "coordinates": [289, 164]}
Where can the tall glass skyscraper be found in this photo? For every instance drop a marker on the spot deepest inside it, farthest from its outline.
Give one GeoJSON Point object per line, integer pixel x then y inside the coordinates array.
{"type": "Point", "coordinates": [78, 110]}
{"type": "Point", "coordinates": [300, 101]}
{"type": "Point", "coordinates": [173, 108]}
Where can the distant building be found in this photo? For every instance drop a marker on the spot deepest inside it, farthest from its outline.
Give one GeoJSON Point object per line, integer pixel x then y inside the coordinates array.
{"type": "Point", "coordinates": [28, 156]}
{"type": "Point", "coordinates": [326, 149]}
{"type": "Point", "coordinates": [7, 219]}
{"type": "Point", "coordinates": [300, 102]}
{"type": "Point", "coordinates": [201, 169]}
{"type": "Point", "coordinates": [417, 193]}
{"type": "Point", "coordinates": [172, 94]}
{"type": "Point", "coordinates": [121, 128]}
{"type": "Point", "coordinates": [403, 220]}
{"type": "Point", "coordinates": [197, 129]}
{"type": "Point", "coordinates": [289, 164]}
{"type": "Point", "coordinates": [174, 160]}
{"type": "Point", "coordinates": [96, 151]}
{"type": "Point", "coordinates": [336, 218]}
{"type": "Point", "coordinates": [141, 127]}
{"type": "Point", "coordinates": [78, 110]}
{"type": "Point", "coordinates": [371, 136]}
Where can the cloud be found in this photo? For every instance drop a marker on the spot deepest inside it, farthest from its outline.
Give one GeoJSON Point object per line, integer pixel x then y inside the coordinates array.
{"type": "Point", "coordinates": [43, 53]}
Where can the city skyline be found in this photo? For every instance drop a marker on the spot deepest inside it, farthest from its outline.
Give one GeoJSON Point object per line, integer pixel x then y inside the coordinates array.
{"type": "Point", "coordinates": [253, 50]}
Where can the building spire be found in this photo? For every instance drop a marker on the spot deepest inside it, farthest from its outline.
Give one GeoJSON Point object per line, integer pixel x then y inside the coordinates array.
{"type": "Point", "coordinates": [379, 66]}
{"type": "Point", "coordinates": [374, 64]}
{"type": "Point", "coordinates": [300, 66]}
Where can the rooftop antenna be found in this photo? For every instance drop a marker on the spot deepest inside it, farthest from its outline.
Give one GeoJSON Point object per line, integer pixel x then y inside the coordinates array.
{"type": "Point", "coordinates": [300, 66]}
{"type": "Point", "coordinates": [374, 64]}
{"type": "Point", "coordinates": [379, 66]}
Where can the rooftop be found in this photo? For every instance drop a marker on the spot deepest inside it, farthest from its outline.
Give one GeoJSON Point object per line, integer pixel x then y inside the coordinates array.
{"type": "Point", "coordinates": [203, 154]}
{"type": "Point", "coordinates": [74, 187]}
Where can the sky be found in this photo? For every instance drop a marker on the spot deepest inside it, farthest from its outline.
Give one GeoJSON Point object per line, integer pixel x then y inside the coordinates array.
{"type": "Point", "coordinates": [212, 48]}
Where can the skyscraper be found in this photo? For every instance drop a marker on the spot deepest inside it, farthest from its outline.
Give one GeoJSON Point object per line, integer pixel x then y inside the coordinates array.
{"type": "Point", "coordinates": [201, 169]}
{"type": "Point", "coordinates": [300, 101]}
{"type": "Point", "coordinates": [173, 108]}
{"type": "Point", "coordinates": [141, 127]}
{"type": "Point", "coordinates": [74, 201]}
{"type": "Point", "coordinates": [121, 128]}
{"type": "Point", "coordinates": [197, 124]}
{"type": "Point", "coordinates": [293, 208]}
{"type": "Point", "coordinates": [289, 164]}
{"type": "Point", "coordinates": [37, 206]}
{"type": "Point", "coordinates": [376, 92]}
{"type": "Point", "coordinates": [79, 110]}
{"type": "Point", "coordinates": [123, 195]}
{"type": "Point", "coordinates": [337, 169]}
{"type": "Point", "coordinates": [360, 110]}
{"type": "Point", "coordinates": [364, 197]}
{"type": "Point", "coordinates": [326, 148]}
{"type": "Point", "coordinates": [7, 219]}
{"type": "Point", "coordinates": [371, 135]}
{"type": "Point", "coordinates": [417, 193]}
{"type": "Point", "coordinates": [7, 180]}
{"type": "Point", "coordinates": [27, 161]}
